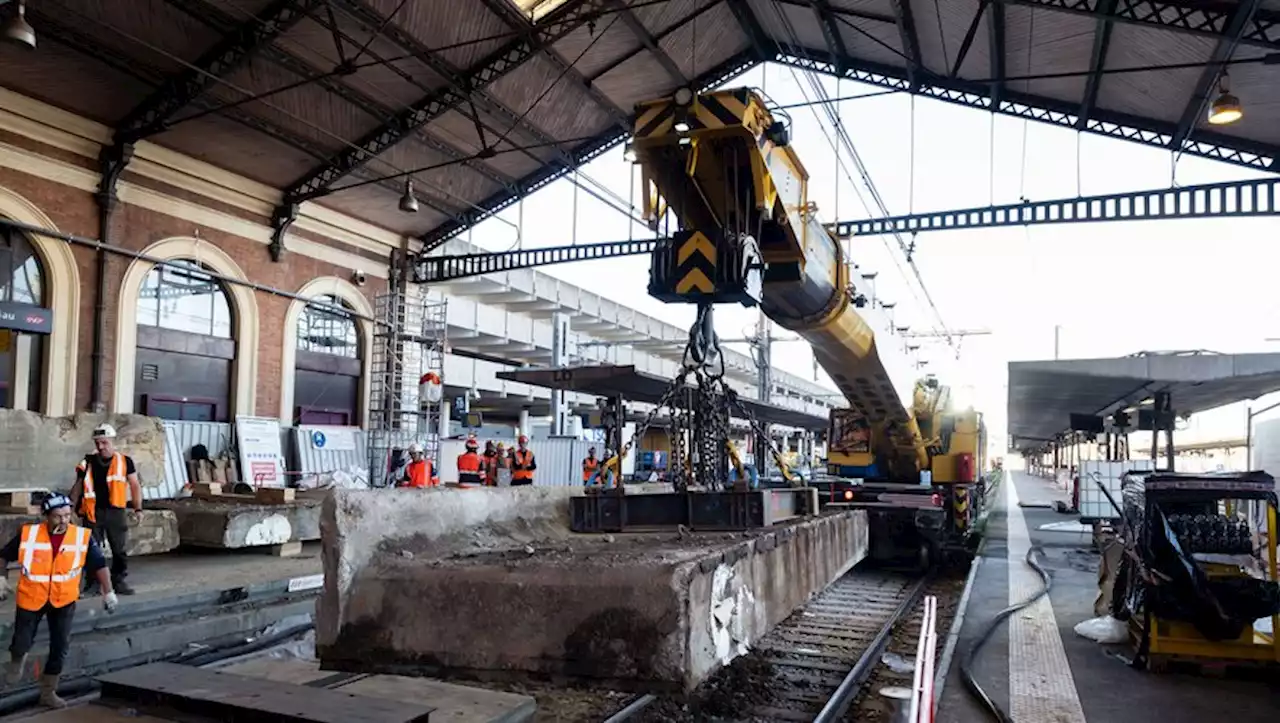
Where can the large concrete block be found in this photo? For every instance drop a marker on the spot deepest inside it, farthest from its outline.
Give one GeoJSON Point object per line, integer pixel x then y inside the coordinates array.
{"type": "Point", "coordinates": [648, 611]}
{"type": "Point", "coordinates": [39, 452]}
{"type": "Point", "coordinates": [233, 525]}
{"type": "Point", "coordinates": [155, 531]}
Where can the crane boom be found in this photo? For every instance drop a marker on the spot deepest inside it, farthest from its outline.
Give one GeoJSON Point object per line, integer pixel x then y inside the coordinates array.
{"type": "Point", "coordinates": [749, 233]}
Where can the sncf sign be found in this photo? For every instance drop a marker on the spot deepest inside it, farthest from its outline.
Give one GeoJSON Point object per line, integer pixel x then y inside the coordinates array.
{"type": "Point", "coordinates": [25, 317]}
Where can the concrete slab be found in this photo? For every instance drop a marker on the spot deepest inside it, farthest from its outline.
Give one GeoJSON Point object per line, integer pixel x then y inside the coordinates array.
{"type": "Point", "coordinates": [41, 453]}
{"type": "Point", "coordinates": [511, 593]}
{"type": "Point", "coordinates": [154, 533]}
{"type": "Point", "coordinates": [204, 523]}
{"type": "Point", "coordinates": [453, 703]}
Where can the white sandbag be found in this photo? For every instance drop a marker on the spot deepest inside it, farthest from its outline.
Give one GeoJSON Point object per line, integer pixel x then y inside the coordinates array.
{"type": "Point", "coordinates": [1105, 630]}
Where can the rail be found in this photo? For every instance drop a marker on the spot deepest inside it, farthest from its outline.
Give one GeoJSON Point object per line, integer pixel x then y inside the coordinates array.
{"type": "Point", "coordinates": [822, 655]}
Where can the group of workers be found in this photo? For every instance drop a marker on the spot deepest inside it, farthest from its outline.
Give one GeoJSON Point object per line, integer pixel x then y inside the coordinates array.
{"type": "Point", "coordinates": [54, 554]}
{"type": "Point", "coordinates": [496, 467]}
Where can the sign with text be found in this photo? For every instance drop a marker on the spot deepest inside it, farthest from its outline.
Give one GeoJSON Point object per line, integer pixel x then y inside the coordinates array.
{"type": "Point", "coordinates": [25, 317]}
{"type": "Point", "coordinates": [261, 456]}
{"type": "Point", "coordinates": [332, 439]}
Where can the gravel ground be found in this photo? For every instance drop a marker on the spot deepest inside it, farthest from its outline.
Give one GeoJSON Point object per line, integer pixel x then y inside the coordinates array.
{"type": "Point", "coordinates": [870, 706]}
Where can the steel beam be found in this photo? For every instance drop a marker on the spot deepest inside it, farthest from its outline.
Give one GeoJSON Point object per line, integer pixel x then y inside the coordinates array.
{"type": "Point", "coordinates": [1197, 18]}
{"type": "Point", "coordinates": [969, 35]}
{"type": "Point", "coordinates": [649, 42]}
{"type": "Point", "coordinates": [1211, 200]}
{"type": "Point", "coordinates": [723, 73]}
{"type": "Point", "coordinates": [1101, 43]}
{"type": "Point", "coordinates": [496, 65]}
{"type": "Point", "coordinates": [229, 53]}
{"type": "Point", "coordinates": [830, 31]}
{"type": "Point", "coordinates": [682, 22]}
{"type": "Point", "coordinates": [1226, 47]}
{"type": "Point", "coordinates": [910, 40]}
{"type": "Point", "coordinates": [439, 269]}
{"type": "Point", "coordinates": [765, 47]}
{"type": "Point", "coordinates": [611, 510]}
{"type": "Point", "coordinates": [998, 46]}
{"type": "Point", "coordinates": [1207, 144]}
{"type": "Point", "coordinates": [844, 12]}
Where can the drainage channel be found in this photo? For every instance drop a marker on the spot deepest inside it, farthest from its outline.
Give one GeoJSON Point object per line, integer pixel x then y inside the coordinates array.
{"type": "Point", "coordinates": [811, 666]}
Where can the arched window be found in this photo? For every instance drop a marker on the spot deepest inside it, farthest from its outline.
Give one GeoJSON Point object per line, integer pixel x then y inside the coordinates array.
{"type": "Point", "coordinates": [186, 347]}
{"type": "Point", "coordinates": [326, 327]}
{"type": "Point", "coordinates": [22, 339]}
{"type": "Point", "coordinates": [326, 387]}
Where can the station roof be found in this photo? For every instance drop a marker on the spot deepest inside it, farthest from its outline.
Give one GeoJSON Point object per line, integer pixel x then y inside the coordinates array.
{"type": "Point", "coordinates": [637, 386]}
{"type": "Point", "coordinates": [1043, 394]}
{"type": "Point", "coordinates": [310, 96]}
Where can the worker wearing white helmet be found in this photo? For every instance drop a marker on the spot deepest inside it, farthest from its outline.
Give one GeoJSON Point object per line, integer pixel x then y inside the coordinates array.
{"type": "Point", "coordinates": [52, 556]}
{"type": "Point", "coordinates": [419, 472]}
{"type": "Point", "coordinates": [106, 483]}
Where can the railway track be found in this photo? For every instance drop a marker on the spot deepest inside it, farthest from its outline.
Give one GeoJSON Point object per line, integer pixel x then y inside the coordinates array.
{"type": "Point", "coordinates": [813, 664]}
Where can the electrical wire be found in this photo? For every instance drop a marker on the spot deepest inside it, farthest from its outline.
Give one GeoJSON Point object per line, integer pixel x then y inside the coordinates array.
{"type": "Point", "coordinates": [966, 661]}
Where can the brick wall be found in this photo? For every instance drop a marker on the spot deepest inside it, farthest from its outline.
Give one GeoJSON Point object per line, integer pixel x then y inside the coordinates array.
{"type": "Point", "coordinates": [134, 228]}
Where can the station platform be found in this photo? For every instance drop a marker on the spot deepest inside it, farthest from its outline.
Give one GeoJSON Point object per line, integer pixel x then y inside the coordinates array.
{"type": "Point", "coordinates": [1036, 667]}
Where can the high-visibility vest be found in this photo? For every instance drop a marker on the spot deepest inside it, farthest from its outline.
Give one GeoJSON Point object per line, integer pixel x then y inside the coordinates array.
{"type": "Point", "coordinates": [522, 465]}
{"type": "Point", "coordinates": [46, 578]}
{"type": "Point", "coordinates": [420, 474]}
{"type": "Point", "coordinates": [489, 463]}
{"type": "Point", "coordinates": [589, 465]}
{"type": "Point", "coordinates": [117, 486]}
{"type": "Point", "coordinates": [469, 468]}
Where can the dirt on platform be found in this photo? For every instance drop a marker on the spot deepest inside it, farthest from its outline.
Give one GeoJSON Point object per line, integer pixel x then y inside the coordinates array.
{"type": "Point", "coordinates": [744, 684]}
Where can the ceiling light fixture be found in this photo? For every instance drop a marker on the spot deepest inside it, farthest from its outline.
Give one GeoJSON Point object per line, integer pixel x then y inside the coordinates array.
{"type": "Point", "coordinates": [1226, 108]}
{"type": "Point", "coordinates": [681, 127]}
{"type": "Point", "coordinates": [408, 202]}
{"type": "Point", "coordinates": [18, 30]}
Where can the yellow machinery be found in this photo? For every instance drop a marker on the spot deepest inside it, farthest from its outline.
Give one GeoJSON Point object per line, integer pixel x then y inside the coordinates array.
{"type": "Point", "coordinates": [719, 167]}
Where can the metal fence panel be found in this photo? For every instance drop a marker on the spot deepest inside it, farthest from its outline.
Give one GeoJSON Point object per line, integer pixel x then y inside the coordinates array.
{"type": "Point", "coordinates": [307, 460]}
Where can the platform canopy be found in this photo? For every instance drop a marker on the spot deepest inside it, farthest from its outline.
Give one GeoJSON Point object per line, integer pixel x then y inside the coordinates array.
{"type": "Point", "coordinates": [634, 385]}
{"type": "Point", "coordinates": [1044, 394]}
{"type": "Point", "coordinates": [332, 101]}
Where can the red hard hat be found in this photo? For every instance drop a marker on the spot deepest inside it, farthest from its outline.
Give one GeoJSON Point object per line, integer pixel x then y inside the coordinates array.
{"type": "Point", "coordinates": [471, 443]}
{"type": "Point", "coordinates": [523, 439]}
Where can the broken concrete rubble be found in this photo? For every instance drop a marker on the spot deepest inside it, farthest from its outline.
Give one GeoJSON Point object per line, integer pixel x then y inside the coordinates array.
{"type": "Point", "coordinates": [40, 453]}
{"type": "Point", "coordinates": [511, 592]}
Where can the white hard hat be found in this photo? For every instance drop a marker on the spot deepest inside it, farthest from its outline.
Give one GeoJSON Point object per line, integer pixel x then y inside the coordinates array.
{"type": "Point", "coordinates": [105, 431]}
{"type": "Point", "coordinates": [415, 448]}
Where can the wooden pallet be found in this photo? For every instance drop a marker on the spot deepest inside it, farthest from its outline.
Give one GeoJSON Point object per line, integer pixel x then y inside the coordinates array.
{"type": "Point", "coordinates": [212, 492]}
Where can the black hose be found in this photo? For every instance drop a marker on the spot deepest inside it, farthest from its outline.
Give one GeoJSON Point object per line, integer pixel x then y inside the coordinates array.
{"type": "Point", "coordinates": [252, 646]}
{"type": "Point", "coordinates": [966, 662]}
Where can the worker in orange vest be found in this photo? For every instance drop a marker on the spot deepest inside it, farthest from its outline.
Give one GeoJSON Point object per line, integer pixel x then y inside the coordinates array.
{"type": "Point", "coordinates": [489, 464]}
{"type": "Point", "coordinates": [51, 555]}
{"type": "Point", "coordinates": [522, 463]}
{"type": "Point", "coordinates": [469, 464]}
{"type": "Point", "coordinates": [589, 466]}
{"type": "Point", "coordinates": [419, 472]}
{"type": "Point", "coordinates": [106, 484]}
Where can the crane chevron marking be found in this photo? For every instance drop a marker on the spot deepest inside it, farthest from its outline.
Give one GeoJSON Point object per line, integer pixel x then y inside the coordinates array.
{"type": "Point", "coordinates": [697, 242]}
{"type": "Point", "coordinates": [695, 280]}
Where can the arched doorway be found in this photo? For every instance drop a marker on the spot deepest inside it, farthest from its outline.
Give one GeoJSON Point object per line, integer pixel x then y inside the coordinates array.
{"type": "Point", "coordinates": [186, 346]}
{"type": "Point", "coordinates": [327, 365]}
{"type": "Point", "coordinates": [25, 323]}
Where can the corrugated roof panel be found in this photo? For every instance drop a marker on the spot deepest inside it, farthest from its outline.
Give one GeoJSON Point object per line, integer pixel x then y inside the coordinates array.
{"type": "Point", "coordinates": [639, 79]}
{"type": "Point", "coordinates": [303, 107]}
{"type": "Point", "coordinates": [661, 17]}
{"type": "Point", "coordinates": [561, 108]}
{"type": "Point", "coordinates": [232, 146]}
{"type": "Point", "coordinates": [152, 31]}
{"type": "Point", "coordinates": [872, 40]}
{"type": "Point", "coordinates": [705, 43]}
{"type": "Point", "coordinates": [877, 8]}
{"type": "Point", "coordinates": [591, 50]}
{"type": "Point", "coordinates": [790, 25]}
{"type": "Point", "coordinates": [1160, 94]}
{"type": "Point", "coordinates": [444, 24]}
{"type": "Point", "coordinates": [59, 75]}
{"type": "Point", "coordinates": [1043, 41]}
{"type": "Point", "coordinates": [381, 207]}
{"type": "Point", "coordinates": [398, 85]}
{"type": "Point", "coordinates": [455, 182]}
{"type": "Point", "coordinates": [940, 43]}
{"type": "Point", "coordinates": [977, 62]}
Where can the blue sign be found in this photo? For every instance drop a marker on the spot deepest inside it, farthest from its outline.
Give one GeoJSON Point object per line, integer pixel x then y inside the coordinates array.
{"type": "Point", "coordinates": [318, 439]}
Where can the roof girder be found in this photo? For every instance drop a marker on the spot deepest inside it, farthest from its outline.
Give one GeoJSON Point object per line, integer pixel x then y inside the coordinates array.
{"type": "Point", "coordinates": [1202, 18]}
{"type": "Point", "coordinates": [649, 42]}
{"type": "Point", "coordinates": [830, 33]}
{"type": "Point", "coordinates": [1226, 47]}
{"type": "Point", "coordinates": [1097, 60]}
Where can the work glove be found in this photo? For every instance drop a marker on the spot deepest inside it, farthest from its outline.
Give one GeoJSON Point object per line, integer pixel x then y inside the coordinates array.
{"type": "Point", "coordinates": [110, 602]}
{"type": "Point", "coordinates": [134, 518]}
{"type": "Point", "coordinates": [4, 589]}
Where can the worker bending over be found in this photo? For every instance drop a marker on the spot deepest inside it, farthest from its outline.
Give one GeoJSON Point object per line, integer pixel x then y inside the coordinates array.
{"type": "Point", "coordinates": [469, 464]}
{"type": "Point", "coordinates": [589, 466]}
{"type": "Point", "coordinates": [522, 463]}
{"type": "Point", "coordinates": [419, 472]}
{"type": "Point", "coordinates": [106, 480]}
{"type": "Point", "coordinates": [51, 555]}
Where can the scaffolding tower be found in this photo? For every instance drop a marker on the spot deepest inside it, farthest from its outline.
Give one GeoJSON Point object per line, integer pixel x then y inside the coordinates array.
{"type": "Point", "coordinates": [409, 343]}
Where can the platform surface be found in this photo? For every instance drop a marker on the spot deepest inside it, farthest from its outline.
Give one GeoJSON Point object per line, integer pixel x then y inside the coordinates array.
{"type": "Point", "coordinates": [1038, 669]}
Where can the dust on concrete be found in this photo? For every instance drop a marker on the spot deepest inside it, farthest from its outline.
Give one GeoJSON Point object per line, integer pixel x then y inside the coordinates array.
{"type": "Point", "coordinates": [870, 705]}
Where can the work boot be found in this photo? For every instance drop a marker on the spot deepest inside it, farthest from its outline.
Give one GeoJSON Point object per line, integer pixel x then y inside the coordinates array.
{"type": "Point", "coordinates": [13, 670]}
{"type": "Point", "coordinates": [49, 692]}
{"type": "Point", "coordinates": [121, 587]}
